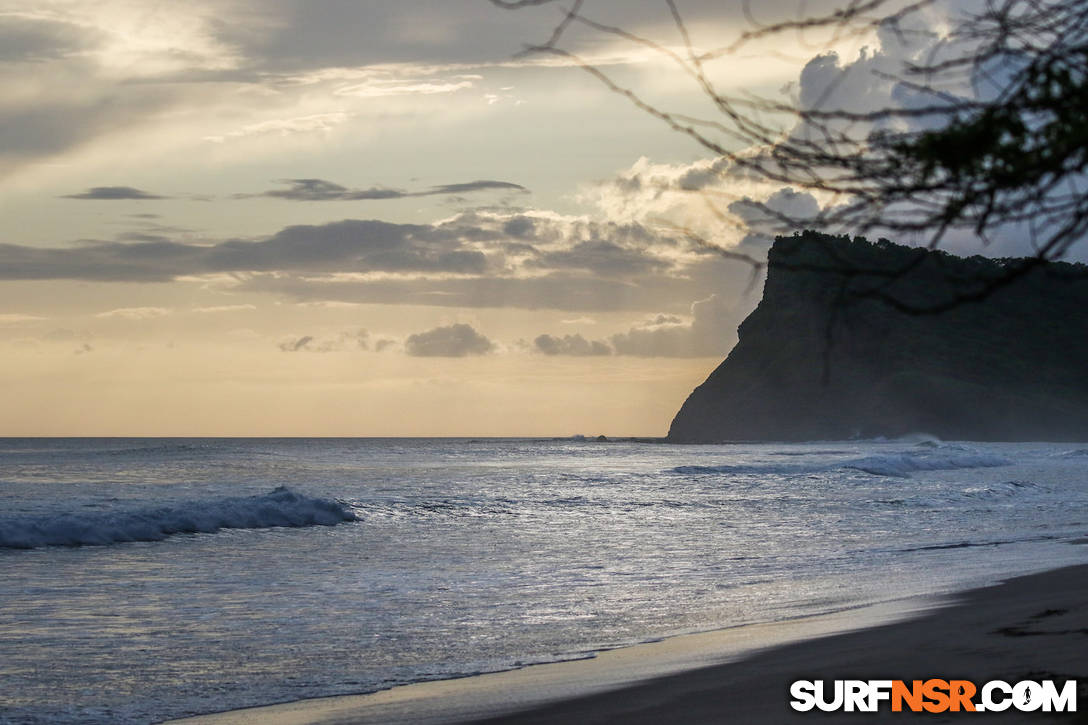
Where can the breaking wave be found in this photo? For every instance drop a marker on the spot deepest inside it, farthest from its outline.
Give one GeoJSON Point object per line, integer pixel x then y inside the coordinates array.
{"type": "Point", "coordinates": [903, 464]}
{"type": "Point", "coordinates": [892, 464]}
{"type": "Point", "coordinates": [280, 507]}
{"type": "Point", "coordinates": [752, 468]}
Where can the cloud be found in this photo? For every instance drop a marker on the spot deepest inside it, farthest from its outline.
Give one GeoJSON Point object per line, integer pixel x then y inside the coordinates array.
{"type": "Point", "coordinates": [471, 244]}
{"type": "Point", "coordinates": [459, 340]}
{"type": "Point", "coordinates": [603, 258]}
{"type": "Point", "coordinates": [60, 334]}
{"type": "Point", "coordinates": [297, 344]}
{"type": "Point", "coordinates": [136, 313]}
{"type": "Point", "coordinates": [319, 123]}
{"type": "Point", "coordinates": [66, 115]}
{"type": "Point", "coordinates": [353, 245]}
{"type": "Point", "coordinates": [578, 293]}
{"type": "Point", "coordinates": [782, 211]}
{"type": "Point", "coordinates": [37, 40]}
{"type": "Point", "coordinates": [113, 193]}
{"type": "Point", "coordinates": [785, 202]}
{"type": "Point", "coordinates": [880, 79]}
{"type": "Point", "coordinates": [345, 246]}
{"type": "Point", "coordinates": [678, 196]}
{"type": "Point", "coordinates": [185, 69]}
{"type": "Point", "coordinates": [468, 260]}
{"type": "Point", "coordinates": [297, 36]}
{"type": "Point", "coordinates": [379, 89]}
{"type": "Point", "coordinates": [345, 341]}
{"type": "Point", "coordinates": [223, 308]}
{"type": "Point", "coordinates": [481, 185]}
{"type": "Point", "coordinates": [322, 190]}
{"type": "Point", "coordinates": [11, 318]}
{"type": "Point", "coordinates": [711, 333]}
{"type": "Point", "coordinates": [575, 345]}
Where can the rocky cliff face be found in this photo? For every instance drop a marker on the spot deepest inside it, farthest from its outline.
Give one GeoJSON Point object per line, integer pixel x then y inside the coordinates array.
{"type": "Point", "coordinates": [837, 348]}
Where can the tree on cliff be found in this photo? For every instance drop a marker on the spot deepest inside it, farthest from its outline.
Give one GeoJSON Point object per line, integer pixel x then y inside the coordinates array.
{"type": "Point", "coordinates": [981, 127]}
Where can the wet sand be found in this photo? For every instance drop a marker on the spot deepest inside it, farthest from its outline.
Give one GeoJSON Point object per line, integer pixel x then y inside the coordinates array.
{"type": "Point", "coordinates": [1033, 627]}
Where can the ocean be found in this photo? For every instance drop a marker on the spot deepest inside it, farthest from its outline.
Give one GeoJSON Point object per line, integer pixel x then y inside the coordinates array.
{"type": "Point", "coordinates": [146, 579]}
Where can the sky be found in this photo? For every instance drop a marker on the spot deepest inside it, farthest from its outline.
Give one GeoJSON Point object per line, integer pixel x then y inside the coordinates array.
{"type": "Point", "coordinates": [372, 217]}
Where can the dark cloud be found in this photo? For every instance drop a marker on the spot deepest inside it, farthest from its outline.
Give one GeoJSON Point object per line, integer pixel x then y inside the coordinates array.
{"type": "Point", "coordinates": [113, 193]}
{"type": "Point", "coordinates": [520, 226]}
{"type": "Point", "coordinates": [345, 246]}
{"type": "Point", "coordinates": [296, 35]}
{"type": "Point", "coordinates": [575, 292]}
{"type": "Point", "coordinates": [519, 249]}
{"type": "Point", "coordinates": [458, 340]}
{"type": "Point", "coordinates": [468, 261]}
{"type": "Point", "coordinates": [353, 245]}
{"type": "Point", "coordinates": [481, 185]}
{"type": "Point", "coordinates": [470, 244]}
{"type": "Point", "coordinates": [46, 128]}
{"type": "Point", "coordinates": [322, 190]}
{"type": "Point", "coordinates": [26, 40]}
{"type": "Point", "coordinates": [605, 259]}
{"type": "Point", "coordinates": [575, 345]}
{"type": "Point", "coordinates": [142, 237]}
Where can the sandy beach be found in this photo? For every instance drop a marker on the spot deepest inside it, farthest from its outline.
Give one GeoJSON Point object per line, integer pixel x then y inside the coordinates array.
{"type": "Point", "coordinates": [1033, 627]}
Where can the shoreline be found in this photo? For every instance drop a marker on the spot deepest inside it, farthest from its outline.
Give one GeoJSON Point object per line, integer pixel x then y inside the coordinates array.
{"type": "Point", "coordinates": [1024, 626]}
{"type": "Point", "coordinates": [487, 694]}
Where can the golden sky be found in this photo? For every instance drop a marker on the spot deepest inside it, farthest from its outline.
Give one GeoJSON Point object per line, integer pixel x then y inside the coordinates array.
{"type": "Point", "coordinates": [319, 217]}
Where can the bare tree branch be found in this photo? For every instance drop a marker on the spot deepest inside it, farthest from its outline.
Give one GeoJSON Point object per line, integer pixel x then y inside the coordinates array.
{"type": "Point", "coordinates": [996, 134]}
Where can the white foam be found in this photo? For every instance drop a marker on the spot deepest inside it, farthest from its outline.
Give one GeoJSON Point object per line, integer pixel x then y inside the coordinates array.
{"type": "Point", "coordinates": [750, 468]}
{"type": "Point", "coordinates": [889, 464]}
{"type": "Point", "coordinates": [903, 464]}
{"type": "Point", "coordinates": [281, 507]}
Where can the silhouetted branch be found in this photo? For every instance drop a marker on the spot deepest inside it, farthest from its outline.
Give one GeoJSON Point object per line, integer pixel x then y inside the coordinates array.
{"type": "Point", "coordinates": [996, 135]}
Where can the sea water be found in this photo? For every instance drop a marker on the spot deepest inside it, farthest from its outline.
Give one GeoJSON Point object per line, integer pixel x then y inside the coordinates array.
{"type": "Point", "coordinates": [144, 579]}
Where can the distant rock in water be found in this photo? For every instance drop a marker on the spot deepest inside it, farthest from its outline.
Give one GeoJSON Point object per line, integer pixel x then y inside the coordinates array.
{"type": "Point", "coordinates": [845, 344]}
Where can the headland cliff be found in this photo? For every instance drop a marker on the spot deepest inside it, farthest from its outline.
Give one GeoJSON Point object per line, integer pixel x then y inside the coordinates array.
{"type": "Point", "coordinates": [854, 339]}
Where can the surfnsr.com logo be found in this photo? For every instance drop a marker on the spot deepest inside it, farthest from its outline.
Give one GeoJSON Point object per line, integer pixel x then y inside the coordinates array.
{"type": "Point", "coordinates": [933, 695]}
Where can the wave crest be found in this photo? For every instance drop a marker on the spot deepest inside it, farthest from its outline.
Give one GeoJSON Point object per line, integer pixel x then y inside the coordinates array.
{"type": "Point", "coordinates": [891, 464]}
{"type": "Point", "coordinates": [903, 464]}
{"type": "Point", "coordinates": [280, 507]}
